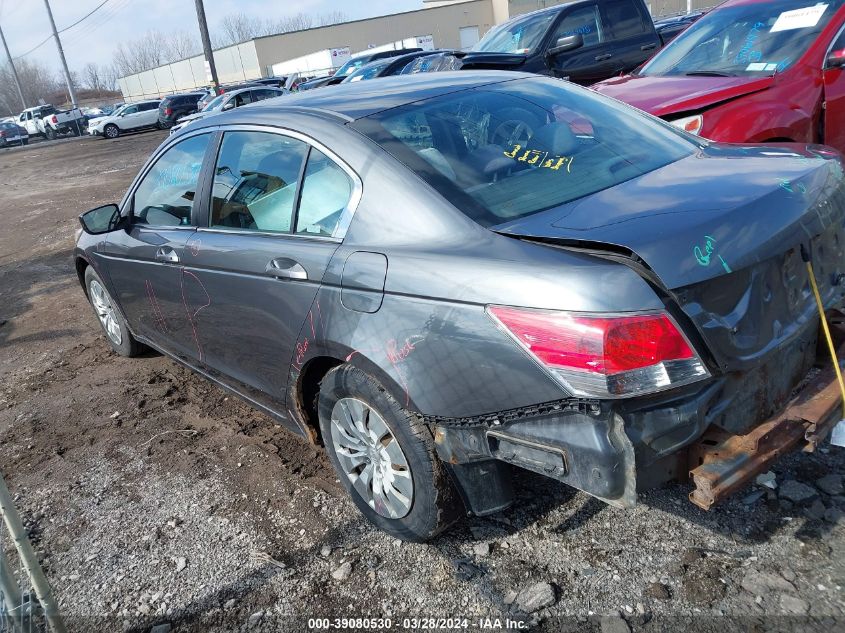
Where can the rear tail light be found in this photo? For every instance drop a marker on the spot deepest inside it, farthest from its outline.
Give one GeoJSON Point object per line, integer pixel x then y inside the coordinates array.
{"type": "Point", "coordinates": [168, 111]}
{"type": "Point", "coordinates": [604, 356]}
{"type": "Point", "coordinates": [54, 119]}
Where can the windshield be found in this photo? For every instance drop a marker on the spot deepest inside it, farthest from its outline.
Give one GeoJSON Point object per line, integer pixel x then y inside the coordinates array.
{"type": "Point", "coordinates": [212, 105]}
{"type": "Point", "coordinates": [503, 152]}
{"type": "Point", "coordinates": [517, 36]}
{"type": "Point", "coordinates": [350, 67]}
{"type": "Point", "coordinates": [369, 71]}
{"type": "Point", "coordinates": [759, 38]}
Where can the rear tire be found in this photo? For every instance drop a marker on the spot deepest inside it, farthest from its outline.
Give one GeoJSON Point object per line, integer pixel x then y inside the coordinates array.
{"type": "Point", "coordinates": [111, 131]}
{"type": "Point", "coordinates": [408, 494]}
{"type": "Point", "coordinates": [110, 319]}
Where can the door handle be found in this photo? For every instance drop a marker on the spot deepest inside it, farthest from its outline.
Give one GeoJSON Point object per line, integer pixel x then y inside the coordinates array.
{"type": "Point", "coordinates": [601, 58]}
{"type": "Point", "coordinates": [285, 268]}
{"type": "Point", "coordinates": [648, 47]}
{"type": "Point", "coordinates": [167, 254]}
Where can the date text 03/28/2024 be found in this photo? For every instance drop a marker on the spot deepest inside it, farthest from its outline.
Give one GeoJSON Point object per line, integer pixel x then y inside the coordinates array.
{"type": "Point", "coordinates": [417, 624]}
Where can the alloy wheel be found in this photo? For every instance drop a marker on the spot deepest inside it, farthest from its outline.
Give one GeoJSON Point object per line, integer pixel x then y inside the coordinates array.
{"type": "Point", "coordinates": [371, 458]}
{"type": "Point", "coordinates": [105, 311]}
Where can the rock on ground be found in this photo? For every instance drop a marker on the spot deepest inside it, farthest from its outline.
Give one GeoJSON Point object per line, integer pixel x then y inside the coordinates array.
{"type": "Point", "coordinates": [831, 484]}
{"type": "Point", "coordinates": [796, 492]}
{"type": "Point", "coordinates": [535, 597]}
{"type": "Point", "coordinates": [761, 583]}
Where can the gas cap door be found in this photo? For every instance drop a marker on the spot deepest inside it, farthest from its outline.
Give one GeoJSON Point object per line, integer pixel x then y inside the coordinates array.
{"type": "Point", "coordinates": [362, 283]}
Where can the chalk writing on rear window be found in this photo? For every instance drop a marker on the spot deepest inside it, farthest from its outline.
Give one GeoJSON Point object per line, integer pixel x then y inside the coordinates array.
{"type": "Point", "coordinates": [541, 159]}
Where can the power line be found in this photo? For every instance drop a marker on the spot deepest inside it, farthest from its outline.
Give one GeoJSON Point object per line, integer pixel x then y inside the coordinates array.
{"type": "Point", "coordinates": [49, 37]}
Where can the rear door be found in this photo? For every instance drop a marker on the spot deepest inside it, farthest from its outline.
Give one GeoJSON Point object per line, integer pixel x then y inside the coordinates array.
{"type": "Point", "coordinates": [147, 113]}
{"type": "Point", "coordinates": [594, 60]}
{"type": "Point", "coordinates": [276, 203]}
{"type": "Point", "coordinates": [834, 98]}
{"type": "Point", "coordinates": [144, 261]}
{"type": "Point", "coordinates": [634, 38]}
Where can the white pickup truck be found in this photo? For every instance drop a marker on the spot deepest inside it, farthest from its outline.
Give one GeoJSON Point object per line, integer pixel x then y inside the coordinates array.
{"type": "Point", "coordinates": [47, 121]}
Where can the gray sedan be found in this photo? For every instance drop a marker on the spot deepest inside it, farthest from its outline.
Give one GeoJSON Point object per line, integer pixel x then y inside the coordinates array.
{"type": "Point", "coordinates": [441, 276]}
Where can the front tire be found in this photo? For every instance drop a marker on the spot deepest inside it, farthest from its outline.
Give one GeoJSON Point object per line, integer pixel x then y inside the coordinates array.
{"type": "Point", "coordinates": [50, 133]}
{"type": "Point", "coordinates": [385, 457]}
{"type": "Point", "coordinates": [111, 131]}
{"type": "Point", "coordinates": [111, 320]}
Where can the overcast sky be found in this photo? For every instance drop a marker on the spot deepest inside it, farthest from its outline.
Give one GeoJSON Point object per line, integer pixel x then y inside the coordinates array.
{"type": "Point", "coordinates": [25, 22]}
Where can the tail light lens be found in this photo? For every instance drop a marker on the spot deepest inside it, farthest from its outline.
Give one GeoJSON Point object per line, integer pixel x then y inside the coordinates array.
{"type": "Point", "coordinates": [54, 119]}
{"type": "Point", "coordinates": [168, 111]}
{"type": "Point", "coordinates": [604, 356]}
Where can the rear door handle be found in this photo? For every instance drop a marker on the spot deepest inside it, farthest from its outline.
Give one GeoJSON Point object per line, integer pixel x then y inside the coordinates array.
{"type": "Point", "coordinates": [601, 58]}
{"type": "Point", "coordinates": [285, 268]}
{"type": "Point", "coordinates": [648, 47]}
{"type": "Point", "coordinates": [167, 254]}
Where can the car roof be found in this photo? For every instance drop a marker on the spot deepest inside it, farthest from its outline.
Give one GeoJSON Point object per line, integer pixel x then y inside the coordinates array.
{"type": "Point", "coordinates": [360, 99]}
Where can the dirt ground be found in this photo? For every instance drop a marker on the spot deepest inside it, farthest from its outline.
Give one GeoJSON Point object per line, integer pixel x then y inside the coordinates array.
{"type": "Point", "coordinates": [155, 499]}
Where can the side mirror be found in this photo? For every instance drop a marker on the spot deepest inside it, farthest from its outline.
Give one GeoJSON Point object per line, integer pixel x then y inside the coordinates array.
{"type": "Point", "coordinates": [229, 105]}
{"type": "Point", "coordinates": [836, 59]}
{"type": "Point", "coordinates": [100, 220]}
{"type": "Point", "coordinates": [566, 43]}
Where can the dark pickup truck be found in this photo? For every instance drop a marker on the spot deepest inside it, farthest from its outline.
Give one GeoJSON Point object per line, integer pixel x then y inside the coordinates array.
{"type": "Point", "coordinates": [583, 41]}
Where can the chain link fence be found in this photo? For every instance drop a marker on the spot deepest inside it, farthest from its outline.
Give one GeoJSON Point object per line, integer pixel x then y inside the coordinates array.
{"type": "Point", "coordinates": [26, 601]}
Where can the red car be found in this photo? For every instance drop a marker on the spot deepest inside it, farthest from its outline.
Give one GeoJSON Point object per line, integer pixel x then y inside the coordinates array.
{"type": "Point", "coordinates": [750, 71]}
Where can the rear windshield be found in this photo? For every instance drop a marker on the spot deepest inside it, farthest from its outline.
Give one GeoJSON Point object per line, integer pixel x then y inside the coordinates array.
{"type": "Point", "coordinates": [508, 150]}
{"type": "Point", "coordinates": [753, 39]}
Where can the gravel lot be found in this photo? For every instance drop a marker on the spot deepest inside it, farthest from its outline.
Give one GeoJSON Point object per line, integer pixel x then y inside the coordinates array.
{"type": "Point", "coordinates": [155, 499]}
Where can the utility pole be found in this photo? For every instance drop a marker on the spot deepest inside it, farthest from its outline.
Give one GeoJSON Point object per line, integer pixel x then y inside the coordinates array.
{"type": "Point", "coordinates": [14, 70]}
{"type": "Point", "coordinates": [61, 55]}
{"type": "Point", "coordinates": [210, 68]}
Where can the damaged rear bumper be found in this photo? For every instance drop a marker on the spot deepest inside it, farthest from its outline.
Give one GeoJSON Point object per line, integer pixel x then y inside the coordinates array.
{"type": "Point", "coordinates": [612, 450]}
{"type": "Point", "coordinates": [582, 444]}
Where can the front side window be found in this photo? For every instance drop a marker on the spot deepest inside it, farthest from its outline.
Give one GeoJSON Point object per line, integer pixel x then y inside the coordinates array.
{"type": "Point", "coordinates": [165, 196]}
{"type": "Point", "coordinates": [757, 38]}
{"type": "Point", "coordinates": [499, 153]}
{"type": "Point", "coordinates": [584, 21]}
{"type": "Point", "coordinates": [326, 190]}
{"type": "Point", "coordinates": [243, 98]}
{"type": "Point", "coordinates": [517, 36]}
{"type": "Point", "coordinates": [255, 181]}
{"type": "Point", "coordinates": [129, 110]}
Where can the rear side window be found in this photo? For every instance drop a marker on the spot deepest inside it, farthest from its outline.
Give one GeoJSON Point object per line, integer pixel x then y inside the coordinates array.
{"type": "Point", "coordinates": [326, 190]}
{"type": "Point", "coordinates": [151, 105]}
{"type": "Point", "coordinates": [503, 152]}
{"type": "Point", "coordinates": [255, 181]}
{"type": "Point", "coordinates": [583, 20]}
{"type": "Point", "coordinates": [165, 196]}
{"type": "Point", "coordinates": [623, 18]}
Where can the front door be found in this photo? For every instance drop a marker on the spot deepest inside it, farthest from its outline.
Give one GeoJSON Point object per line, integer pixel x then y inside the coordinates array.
{"type": "Point", "coordinates": [259, 261]}
{"type": "Point", "coordinates": [594, 60]}
{"type": "Point", "coordinates": [144, 260]}
{"type": "Point", "coordinates": [834, 100]}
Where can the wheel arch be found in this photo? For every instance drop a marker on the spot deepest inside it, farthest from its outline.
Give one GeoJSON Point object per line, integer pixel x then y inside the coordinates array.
{"type": "Point", "coordinates": [81, 264]}
{"type": "Point", "coordinates": [304, 384]}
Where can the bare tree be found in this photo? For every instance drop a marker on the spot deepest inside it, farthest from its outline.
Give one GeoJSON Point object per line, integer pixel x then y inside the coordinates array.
{"type": "Point", "coordinates": [333, 17]}
{"type": "Point", "coordinates": [239, 27]}
{"type": "Point", "coordinates": [153, 49]}
{"type": "Point", "coordinates": [37, 82]}
{"type": "Point", "coordinates": [92, 76]}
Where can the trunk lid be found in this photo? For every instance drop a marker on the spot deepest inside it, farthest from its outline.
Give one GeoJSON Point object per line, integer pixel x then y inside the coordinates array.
{"type": "Point", "coordinates": [722, 232]}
